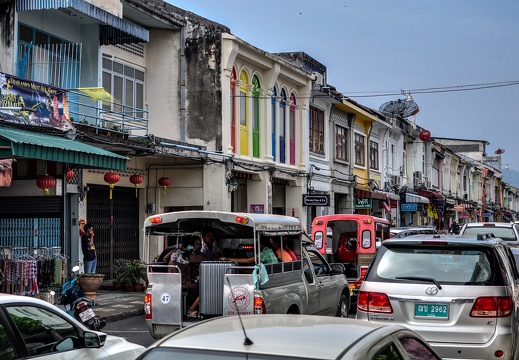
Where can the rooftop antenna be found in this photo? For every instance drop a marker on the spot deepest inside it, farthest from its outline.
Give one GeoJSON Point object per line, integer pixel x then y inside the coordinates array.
{"type": "Point", "coordinates": [247, 341]}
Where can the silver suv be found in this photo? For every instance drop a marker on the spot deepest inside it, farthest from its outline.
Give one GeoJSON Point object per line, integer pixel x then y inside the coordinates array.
{"type": "Point", "coordinates": [505, 231]}
{"type": "Point", "coordinates": [458, 293]}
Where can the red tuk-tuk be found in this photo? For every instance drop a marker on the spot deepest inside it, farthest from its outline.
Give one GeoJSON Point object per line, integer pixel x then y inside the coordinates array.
{"type": "Point", "coordinates": [350, 239]}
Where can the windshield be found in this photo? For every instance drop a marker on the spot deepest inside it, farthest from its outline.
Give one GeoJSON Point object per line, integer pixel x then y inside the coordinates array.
{"type": "Point", "coordinates": [464, 266]}
{"type": "Point", "coordinates": [505, 233]}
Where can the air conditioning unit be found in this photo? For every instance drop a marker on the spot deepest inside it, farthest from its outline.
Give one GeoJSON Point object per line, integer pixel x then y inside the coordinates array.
{"type": "Point", "coordinates": [417, 179]}
{"type": "Point", "coordinates": [396, 179]}
{"type": "Point", "coordinates": [319, 78]}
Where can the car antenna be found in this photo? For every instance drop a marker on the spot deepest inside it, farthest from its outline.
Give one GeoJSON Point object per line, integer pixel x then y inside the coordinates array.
{"type": "Point", "coordinates": [247, 341]}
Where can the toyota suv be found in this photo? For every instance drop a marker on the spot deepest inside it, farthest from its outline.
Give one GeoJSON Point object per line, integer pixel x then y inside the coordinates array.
{"type": "Point", "coordinates": [458, 293]}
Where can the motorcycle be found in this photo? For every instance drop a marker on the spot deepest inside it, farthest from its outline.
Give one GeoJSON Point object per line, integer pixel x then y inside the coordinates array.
{"type": "Point", "coordinates": [77, 304]}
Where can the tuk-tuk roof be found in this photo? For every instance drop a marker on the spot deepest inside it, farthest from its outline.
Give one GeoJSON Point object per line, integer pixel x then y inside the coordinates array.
{"type": "Point", "coordinates": [193, 221]}
{"type": "Point", "coordinates": [338, 217]}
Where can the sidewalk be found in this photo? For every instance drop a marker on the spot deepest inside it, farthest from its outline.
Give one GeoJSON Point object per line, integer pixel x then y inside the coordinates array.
{"type": "Point", "coordinates": [118, 305]}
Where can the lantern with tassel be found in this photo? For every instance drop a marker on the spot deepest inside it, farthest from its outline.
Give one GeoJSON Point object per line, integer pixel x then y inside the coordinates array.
{"type": "Point", "coordinates": [136, 179]}
{"type": "Point", "coordinates": [46, 182]}
{"type": "Point", "coordinates": [111, 178]}
{"type": "Point", "coordinates": [164, 182]}
{"type": "Point", "coordinates": [425, 135]}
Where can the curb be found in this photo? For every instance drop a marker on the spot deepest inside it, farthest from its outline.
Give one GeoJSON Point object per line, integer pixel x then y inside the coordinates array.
{"type": "Point", "coordinates": [124, 315]}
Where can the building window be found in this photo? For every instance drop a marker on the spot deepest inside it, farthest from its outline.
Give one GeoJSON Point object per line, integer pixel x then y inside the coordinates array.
{"type": "Point", "coordinates": [244, 112]}
{"type": "Point", "coordinates": [292, 129]}
{"type": "Point", "coordinates": [316, 130]}
{"type": "Point", "coordinates": [341, 143]}
{"type": "Point", "coordinates": [255, 117]}
{"type": "Point", "coordinates": [126, 84]}
{"type": "Point", "coordinates": [373, 155]}
{"type": "Point", "coordinates": [273, 101]}
{"type": "Point", "coordinates": [359, 150]}
{"type": "Point", "coordinates": [282, 118]}
{"type": "Point", "coordinates": [233, 109]}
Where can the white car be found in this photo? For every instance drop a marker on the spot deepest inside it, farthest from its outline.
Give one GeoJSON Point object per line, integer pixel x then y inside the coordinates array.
{"type": "Point", "coordinates": [290, 336]}
{"type": "Point", "coordinates": [506, 231]}
{"type": "Point", "coordinates": [31, 327]}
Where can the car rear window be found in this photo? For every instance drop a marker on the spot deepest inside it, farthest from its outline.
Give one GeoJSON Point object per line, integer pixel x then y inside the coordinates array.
{"type": "Point", "coordinates": [475, 266]}
{"type": "Point", "coordinates": [504, 233]}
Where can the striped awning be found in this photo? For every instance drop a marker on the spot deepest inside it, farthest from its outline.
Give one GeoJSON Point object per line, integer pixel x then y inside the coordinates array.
{"type": "Point", "coordinates": [381, 195]}
{"type": "Point", "coordinates": [413, 198]}
{"type": "Point", "coordinates": [430, 194]}
{"type": "Point", "coordinates": [114, 30]}
{"type": "Point", "coordinates": [34, 145]}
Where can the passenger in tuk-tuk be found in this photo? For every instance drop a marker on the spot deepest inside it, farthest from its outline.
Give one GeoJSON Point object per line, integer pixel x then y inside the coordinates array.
{"type": "Point", "coordinates": [287, 245]}
{"type": "Point", "coordinates": [267, 255]}
{"type": "Point", "coordinates": [282, 255]}
{"type": "Point", "coordinates": [208, 248]}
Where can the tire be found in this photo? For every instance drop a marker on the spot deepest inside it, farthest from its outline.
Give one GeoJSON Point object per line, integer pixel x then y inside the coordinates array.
{"type": "Point", "coordinates": [344, 306]}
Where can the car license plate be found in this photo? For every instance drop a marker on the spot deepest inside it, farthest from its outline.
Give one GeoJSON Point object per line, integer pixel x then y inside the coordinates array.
{"type": "Point", "coordinates": [87, 315]}
{"type": "Point", "coordinates": [435, 311]}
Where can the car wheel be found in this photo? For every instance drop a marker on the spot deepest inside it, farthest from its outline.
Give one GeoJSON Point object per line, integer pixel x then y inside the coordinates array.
{"type": "Point", "coordinates": [342, 309]}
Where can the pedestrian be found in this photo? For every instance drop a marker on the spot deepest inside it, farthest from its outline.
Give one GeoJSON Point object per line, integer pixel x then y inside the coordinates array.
{"type": "Point", "coordinates": [210, 251]}
{"type": "Point", "coordinates": [89, 249]}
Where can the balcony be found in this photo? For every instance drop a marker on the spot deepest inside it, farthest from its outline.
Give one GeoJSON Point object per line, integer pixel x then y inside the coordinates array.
{"type": "Point", "coordinates": [59, 65]}
{"type": "Point", "coordinates": [98, 116]}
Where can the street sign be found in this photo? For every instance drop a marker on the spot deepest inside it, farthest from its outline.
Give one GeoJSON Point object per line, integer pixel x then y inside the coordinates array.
{"type": "Point", "coordinates": [316, 200]}
{"type": "Point", "coordinates": [409, 207]}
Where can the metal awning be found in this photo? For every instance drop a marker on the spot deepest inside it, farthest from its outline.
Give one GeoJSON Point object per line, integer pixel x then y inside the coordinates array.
{"type": "Point", "coordinates": [413, 198]}
{"type": "Point", "coordinates": [430, 194]}
{"type": "Point", "coordinates": [382, 195]}
{"type": "Point", "coordinates": [33, 145]}
{"type": "Point", "coordinates": [114, 30]}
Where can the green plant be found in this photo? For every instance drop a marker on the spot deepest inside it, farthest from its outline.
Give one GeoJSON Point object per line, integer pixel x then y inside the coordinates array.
{"type": "Point", "coordinates": [128, 271]}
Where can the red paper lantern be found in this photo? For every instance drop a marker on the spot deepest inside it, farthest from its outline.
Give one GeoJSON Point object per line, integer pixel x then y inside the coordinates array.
{"type": "Point", "coordinates": [500, 151]}
{"type": "Point", "coordinates": [46, 182]}
{"type": "Point", "coordinates": [111, 178]}
{"type": "Point", "coordinates": [425, 135]}
{"type": "Point", "coordinates": [70, 174]}
{"type": "Point", "coordinates": [136, 179]}
{"type": "Point", "coordinates": [164, 182]}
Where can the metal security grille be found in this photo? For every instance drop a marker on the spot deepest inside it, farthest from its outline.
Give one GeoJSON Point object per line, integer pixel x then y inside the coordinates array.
{"type": "Point", "coordinates": [125, 225]}
{"type": "Point", "coordinates": [30, 233]}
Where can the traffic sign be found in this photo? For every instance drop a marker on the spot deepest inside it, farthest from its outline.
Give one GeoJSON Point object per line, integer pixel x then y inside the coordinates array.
{"type": "Point", "coordinates": [316, 200]}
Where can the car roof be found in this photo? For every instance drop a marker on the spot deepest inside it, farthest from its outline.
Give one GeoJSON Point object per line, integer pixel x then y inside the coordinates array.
{"type": "Point", "coordinates": [293, 333]}
{"type": "Point", "coordinates": [454, 240]}
{"type": "Point", "coordinates": [398, 229]}
{"type": "Point", "coordinates": [476, 224]}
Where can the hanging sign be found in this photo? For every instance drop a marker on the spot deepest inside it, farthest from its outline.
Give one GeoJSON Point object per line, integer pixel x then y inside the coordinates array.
{"type": "Point", "coordinates": [362, 203]}
{"type": "Point", "coordinates": [27, 102]}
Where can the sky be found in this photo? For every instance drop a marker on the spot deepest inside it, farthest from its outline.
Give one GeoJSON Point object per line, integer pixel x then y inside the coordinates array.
{"type": "Point", "coordinates": [383, 47]}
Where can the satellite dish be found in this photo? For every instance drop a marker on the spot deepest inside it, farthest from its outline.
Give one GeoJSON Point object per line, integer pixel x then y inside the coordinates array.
{"type": "Point", "coordinates": [400, 108]}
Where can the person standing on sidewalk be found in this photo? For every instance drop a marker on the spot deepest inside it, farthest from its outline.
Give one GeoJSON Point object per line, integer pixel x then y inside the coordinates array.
{"type": "Point", "coordinates": [89, 250]}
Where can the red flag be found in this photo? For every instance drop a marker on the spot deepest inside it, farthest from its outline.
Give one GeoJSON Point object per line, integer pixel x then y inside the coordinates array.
{"type": "Point", "coordinates": [387, 204]}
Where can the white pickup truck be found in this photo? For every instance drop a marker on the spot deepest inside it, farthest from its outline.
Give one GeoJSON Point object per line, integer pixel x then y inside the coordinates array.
{"type": "Point", "coordinates": [307, 285]}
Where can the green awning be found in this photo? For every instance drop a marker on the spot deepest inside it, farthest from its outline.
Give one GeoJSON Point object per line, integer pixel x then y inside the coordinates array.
{"type": "Point", "coordinates": [33, 145]}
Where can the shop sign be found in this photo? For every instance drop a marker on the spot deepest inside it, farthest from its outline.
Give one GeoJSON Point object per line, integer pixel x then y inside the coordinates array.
{"type": "Point", "coordinates": [409, 207]}
{"type": "Point", "coordinates": [362, 203]}
{"type": "Point", "coordinates": [316, 200]}
{"type": "Point", "coordinates": [28, 102]}
{"type": "Point", "coordinates": [257, 208]}
{"type": "Point", "coordinates": [459, 208]}
{"type": "Point", "coordinates": [463, 215]}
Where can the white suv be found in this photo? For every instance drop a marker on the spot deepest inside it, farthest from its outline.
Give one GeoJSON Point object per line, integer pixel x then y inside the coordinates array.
{"type": "Point", "coordinates": [458, 293]}
{"type": "Point", "coordinates": [505, 231]}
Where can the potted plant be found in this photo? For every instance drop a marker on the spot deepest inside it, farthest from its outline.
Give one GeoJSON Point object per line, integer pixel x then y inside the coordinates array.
{"type": "Point", "coordinates": [90, 283]}
{"type": "Point", "coordinates": [132, 275]}
{"type": "Point", "coordinates": [120, 269]}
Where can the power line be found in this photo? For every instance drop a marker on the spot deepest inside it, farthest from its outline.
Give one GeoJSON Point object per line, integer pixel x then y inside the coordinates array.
{"type": "Point", "coordinates": [455, 88]}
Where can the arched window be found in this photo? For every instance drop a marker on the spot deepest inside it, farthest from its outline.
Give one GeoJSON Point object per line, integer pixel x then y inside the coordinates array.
{"type": "Point", "coordinates": [232, 109]}
{"type": "Point", "coordinates": [292, 129]}
{"type": "Point", "coordinates": [255, 117]}
{"type": "Point", "coordinates": [244, 113]}
{"type": "Point", "coordinates": [274, 131]}
{"type": "Point", "coordinates": [282, 118]}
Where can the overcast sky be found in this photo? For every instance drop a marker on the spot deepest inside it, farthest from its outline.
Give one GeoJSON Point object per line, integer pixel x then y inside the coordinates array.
{"type": "Point", "coordinates": [373, 47]}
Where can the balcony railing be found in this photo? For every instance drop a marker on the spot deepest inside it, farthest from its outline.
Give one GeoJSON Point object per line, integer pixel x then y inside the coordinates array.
{"type": "Point", "coordinates": [130, 121]}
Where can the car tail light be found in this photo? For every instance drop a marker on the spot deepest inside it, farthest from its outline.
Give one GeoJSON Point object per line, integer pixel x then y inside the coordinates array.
{"type": "Point", "coordinates": [147, 306]}
{"type": "Point", "coordinates": [498, 306]}
{"type": "Point", "coordinates": [374, 302]}
{"type": "Point", "coordinates": [259, 305]}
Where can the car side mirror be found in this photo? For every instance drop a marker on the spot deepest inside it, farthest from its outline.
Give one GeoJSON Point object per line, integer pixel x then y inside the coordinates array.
{"type": "Point", "coordinates": [93, 340]}
{"type": "Point", "coordinates": [338, 269]}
